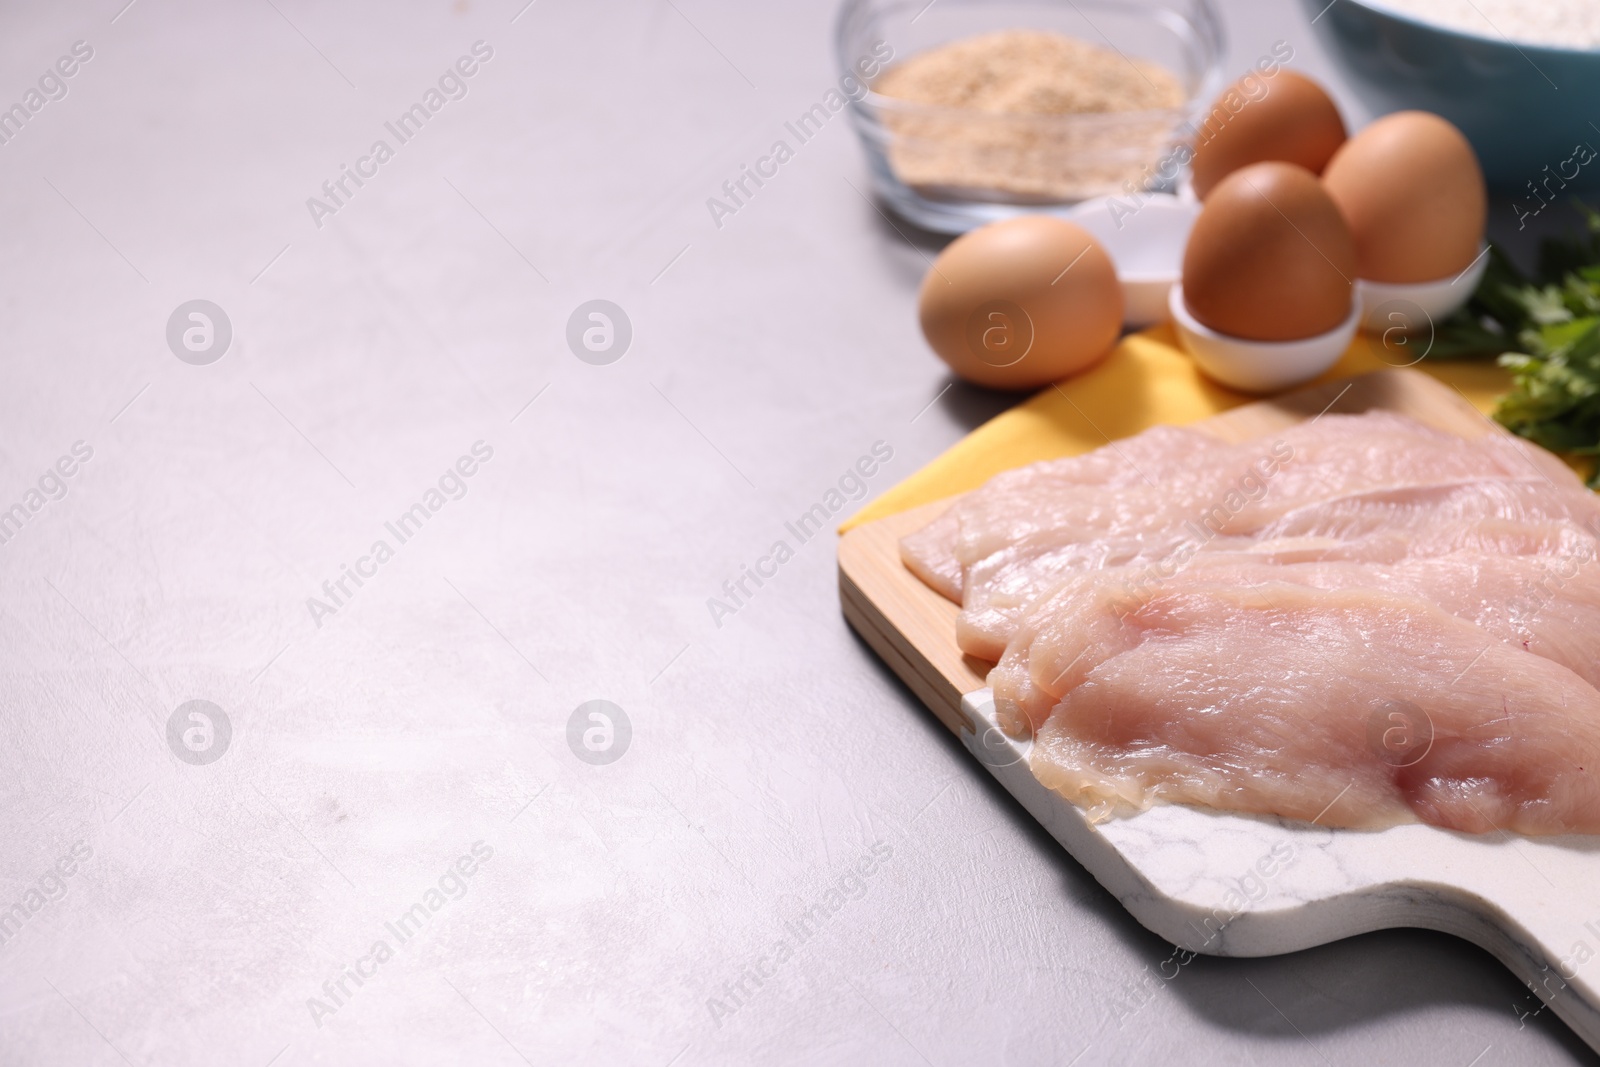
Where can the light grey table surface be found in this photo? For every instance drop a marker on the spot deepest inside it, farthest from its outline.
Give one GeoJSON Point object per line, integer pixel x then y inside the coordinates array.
{"type": "Point", "coordinates": [213, 909]}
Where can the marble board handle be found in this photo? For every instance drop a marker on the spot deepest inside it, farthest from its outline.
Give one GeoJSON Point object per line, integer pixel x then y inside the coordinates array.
{"type": "Point", "coordinates": [1534, 904]}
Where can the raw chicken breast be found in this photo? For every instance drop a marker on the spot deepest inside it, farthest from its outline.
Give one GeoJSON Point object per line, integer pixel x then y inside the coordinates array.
{"type": "Point", "coordinates": [1546, 605]}
{"type": "Point", "coordinates": [1248, 626]}
{"type": "Point", "coordinates": [1156, 453]}
{"type": "Point", "coordinates": [1198, 478]}
{"type": "Point", "coordinates": [1012, 540]}
{"type": "Point", "coordinates": [1264, 700]}
{"type": "Point", "coordinates": [1513, 516]}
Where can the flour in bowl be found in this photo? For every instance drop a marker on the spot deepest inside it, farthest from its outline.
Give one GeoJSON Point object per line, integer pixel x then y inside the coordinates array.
{"type": "Point", "coordinates": [1558, 23]}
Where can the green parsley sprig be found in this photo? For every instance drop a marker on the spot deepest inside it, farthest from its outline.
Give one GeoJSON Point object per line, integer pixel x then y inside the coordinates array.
{"type": "Point", "coordinates": [1546, 329]}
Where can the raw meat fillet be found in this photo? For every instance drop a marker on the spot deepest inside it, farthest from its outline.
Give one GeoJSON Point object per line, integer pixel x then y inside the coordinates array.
{"type": "Point", "coordinates": [1262, 700]}
{"type": "Point", "coordinates": [1235, 625]}
{"type": "Point", "coordinates": [1372, 525]}
{"type": "Point", "coordinates": [1548, 605]}
{"type": "Point", "coordinates": [1012, 539]}
{"type": "Point", "coordinates": [1156, 453]}
{"type": "Point", "coordinates": [1319, 458]}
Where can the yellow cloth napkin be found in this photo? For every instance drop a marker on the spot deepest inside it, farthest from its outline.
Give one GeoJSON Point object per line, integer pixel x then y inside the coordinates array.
{"type": "Point", "coordinates": [1147, 380]}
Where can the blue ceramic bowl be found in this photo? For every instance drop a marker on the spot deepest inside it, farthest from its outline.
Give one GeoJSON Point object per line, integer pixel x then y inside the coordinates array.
{"type": "Point", "coordinates": [1524, 107]}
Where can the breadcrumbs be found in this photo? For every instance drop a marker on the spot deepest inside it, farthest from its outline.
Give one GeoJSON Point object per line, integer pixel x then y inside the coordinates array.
{"type": "Point", "coordinates": [1030, 72]}
{"type": "Point", "coordinates": [997, 87]}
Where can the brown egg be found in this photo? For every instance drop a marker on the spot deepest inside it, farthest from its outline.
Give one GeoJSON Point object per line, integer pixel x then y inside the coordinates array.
{"type": "Point", "coordinates": [1270, 257]}
{"type": "Point", "coordinates": [1412, 191]}
{"type": "Point", "coordinates": [1021, 303]}
{"type": "Point", "coordinates": [1284, 117]}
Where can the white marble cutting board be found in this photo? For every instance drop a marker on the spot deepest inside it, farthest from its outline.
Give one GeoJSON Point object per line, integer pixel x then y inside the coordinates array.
{"type": "Point", "coordinates": [1235, 885]}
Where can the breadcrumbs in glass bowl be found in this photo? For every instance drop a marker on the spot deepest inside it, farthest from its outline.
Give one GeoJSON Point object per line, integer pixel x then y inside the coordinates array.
{"type": "Point", "coordinates": [986, 110]}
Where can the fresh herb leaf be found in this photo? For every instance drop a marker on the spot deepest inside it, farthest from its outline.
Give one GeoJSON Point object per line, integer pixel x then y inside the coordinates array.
{"type": "Point", "coordinates": [1546, 330]}
{"type": "Point", "coordinates": [1507, 302]}
{"type": "Point", "coordinates": [1555, 396]}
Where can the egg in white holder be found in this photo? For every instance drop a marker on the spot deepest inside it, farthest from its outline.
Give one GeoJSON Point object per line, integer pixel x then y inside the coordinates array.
{"type": "Point", "coordinates": [1386, 305]}
{"type": "Point", "coordinates": [1260, 366]}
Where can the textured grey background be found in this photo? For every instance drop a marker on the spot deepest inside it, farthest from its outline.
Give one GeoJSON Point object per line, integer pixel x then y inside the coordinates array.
{"type": "Point", "coordinates": [768, 754]}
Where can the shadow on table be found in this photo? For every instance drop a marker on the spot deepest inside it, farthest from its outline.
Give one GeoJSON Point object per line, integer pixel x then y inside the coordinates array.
{"type": "Point", "coordinates": [970, 406]}
{"type": "Point", "coordinates": [1364, 980]}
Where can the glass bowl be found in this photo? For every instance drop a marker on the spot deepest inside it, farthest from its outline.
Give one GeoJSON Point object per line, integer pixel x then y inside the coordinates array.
{"type": "Point", "coordinates": [950, 170]}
